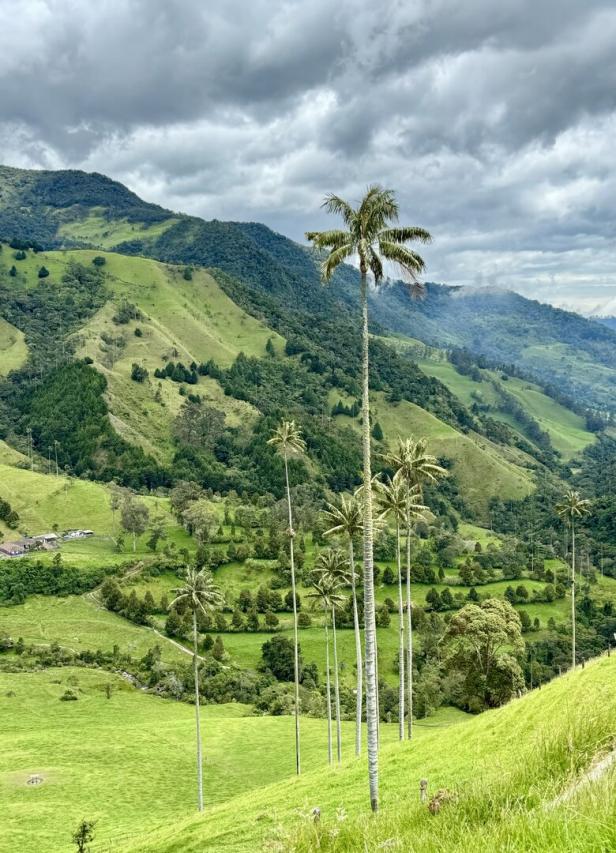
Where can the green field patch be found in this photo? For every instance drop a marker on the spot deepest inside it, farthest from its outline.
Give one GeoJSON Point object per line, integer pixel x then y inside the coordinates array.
{"type": "Point", "coordinates": [13, 348]}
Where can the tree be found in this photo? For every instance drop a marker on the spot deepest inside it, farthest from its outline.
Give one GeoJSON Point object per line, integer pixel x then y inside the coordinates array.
{"type": "Point", "coordinates": [138, 373]}
{"type": "Point", "coordinates": [346, 520]}
{"type": "Point", "coordinates": [83, 835]}
{"type": "Point", "coordinates": [416, 467]}
{"type": "Point", "coordinates": [393, 497]}
{"type": "Point", "coordinates": [158, 532]}
{"type": "Point", "coordinates": [482, 643]}
{"type": "Point", "coordinates": [278, 656]}
{"type": "Point", "coordinates": [99, 261]}
{"type": "Point", "coordinates": [571, 507]}
{"type": "Point", "coordinates": [13, 271]}
{"type": "Point", "coordinates": [43, 272]}
{"type": "Point", "coordinates": [199, 593]}
{"type": "Point", "coordinates": [288, 441]}
{"type": "Point", "coordinates": [369, 235]}
{"type": "Point", "coordinates": [134, 518]}
{"type": "Point", "coordinates": [328, 578]}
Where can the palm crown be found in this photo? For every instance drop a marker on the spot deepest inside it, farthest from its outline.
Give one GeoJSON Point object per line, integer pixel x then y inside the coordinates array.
{"type": "Point", "coordinates": [573, 505]}
{"type": "Point", "coordinates": [199, 591]}
{"type": "Point", "coordinates": [371, 234]}
{"type": "Point", "coordinates": [398, 501]}
{"type": "Point", "coordinates": [287, 438]}
{"type": "Point", "coordinates": [345, 519]}
{"type": "Point", "coordinates": [414, 464]}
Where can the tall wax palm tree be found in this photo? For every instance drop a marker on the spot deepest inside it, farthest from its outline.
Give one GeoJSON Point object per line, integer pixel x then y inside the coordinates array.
{"type": "Point", "coordinates": [329, 577]}
{"type": "Point", "coordinates": [287, 439]}
{"type": "Point", "coordinates": [416, 467]}
{"type": "Point", "coordinates": [571, 507]}
{"type": "Point", "coordinates": [199, 593]}
{"type": "Point", "coordinates": [346, 520]}
{"type": "Point", "coordinates": [393, 497]}
{"type": "Point", "coordinates": [372, 234]}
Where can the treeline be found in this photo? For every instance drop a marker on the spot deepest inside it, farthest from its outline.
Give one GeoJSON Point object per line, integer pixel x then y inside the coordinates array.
{"type": "Point", "coordinates": [22, 577]}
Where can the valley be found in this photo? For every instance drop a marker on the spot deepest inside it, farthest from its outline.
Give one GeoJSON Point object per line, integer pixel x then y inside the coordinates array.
{"type": "Point", "coordinates": [148, 360]}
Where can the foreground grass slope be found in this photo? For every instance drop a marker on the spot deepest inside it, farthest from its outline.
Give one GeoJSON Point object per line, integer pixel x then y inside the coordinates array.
{"type": "Point", "coordinates": [127, 761]}
{"type": "Point", "coordinates": [505, 767]}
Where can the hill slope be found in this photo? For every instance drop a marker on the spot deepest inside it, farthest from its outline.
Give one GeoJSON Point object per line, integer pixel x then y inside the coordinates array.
{"type": "Point", "coordinates": [73, 208]}
{"type": "Point", "coordinates": [505, 767]}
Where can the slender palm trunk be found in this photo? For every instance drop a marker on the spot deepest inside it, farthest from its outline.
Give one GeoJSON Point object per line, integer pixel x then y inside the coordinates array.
{"type": "Point", "coordinates": [572, 593]}
{"type": "Point", "coordinates": [328, 694]}
{"type": "Point", "coordinates": [369, 614]}
{"type": "Point", "coordinates": [401, 635]}
{"type": "Point", "coordinates": [358, 655]}
{"type": "Point", "coordinates": [295, 640]}
{"type": "Point", "coordinates": [337, 691]}
{"type": "Point", "coordinates": [197, 712]}
{"type": "Point", "coordinates": [409, 619]}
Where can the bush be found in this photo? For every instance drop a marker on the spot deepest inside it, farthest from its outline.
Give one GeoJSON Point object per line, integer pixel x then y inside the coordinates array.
{"type": "Point", "coordinates": [138, 373]}
{"type": "Point", "coordinates": [69, 696]}
{"type": "Point", "coordinates": [43, 272]}
{"type": "Point", "coordinates": [99, 261]}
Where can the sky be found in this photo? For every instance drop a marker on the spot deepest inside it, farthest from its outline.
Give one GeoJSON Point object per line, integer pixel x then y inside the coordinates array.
{"type": "Point", "coordinates": [495, 122]}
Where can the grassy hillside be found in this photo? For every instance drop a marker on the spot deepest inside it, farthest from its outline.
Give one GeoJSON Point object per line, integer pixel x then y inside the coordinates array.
{"type": "Point", "coordinates": [504, 766]}
{"type": "Point", "coordinates": [13, 349]}
{"type": "Point", "coordinates": [483, 469]}
{"type": "Point", "coordinates": [566, 429]}
{"type": "Point", "coordinates": [128, 761]}
{"type": "Point", "coordinates": [44, 501]}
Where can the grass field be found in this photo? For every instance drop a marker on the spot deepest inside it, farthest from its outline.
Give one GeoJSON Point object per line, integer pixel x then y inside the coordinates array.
{"type": "Point", "coordinates": [128, 761]}
{"type": "Point", "coordinates": [483, 469]}
{"type": "Point", "coordinates": [504, 766]}
{"type": "Point", "coordinates": [45, 500]}
{"type": "Point", "coordinates": [566, 429]}
{"type": "Point", "coordinates": [77, 623]}
{"type": "Point", "coordinates": [98, 230]}
{"type": "Point", "coordinates": [13, 348]}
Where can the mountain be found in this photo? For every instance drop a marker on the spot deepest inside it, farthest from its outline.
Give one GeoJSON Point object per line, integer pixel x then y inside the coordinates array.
{"type": "Point", "coordinates": [610, 322]}
{"type": "Point", "coordinates": [241, 309]}
{"type": "Point", "coordinates": [71, 209]}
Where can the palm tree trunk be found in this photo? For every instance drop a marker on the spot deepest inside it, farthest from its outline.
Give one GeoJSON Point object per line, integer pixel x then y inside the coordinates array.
{"type": "Point", "coordinates": [337, 691]}
{"type": "Point", "coordinates": [572, 593]}
{"type": "Point", "coordinates": [328, 694]}
{"type": "Point", "coordinates": [295, 640]}
{"type": "Point", "coordinates": [358, 655]}
{"type": "Point", "coordinates": [409, 618]}
{"type": "Point", "coordinates": [369, 614]}
{"type": "Point", "coordinates": [197, 714]}
{"type": "Point", "coordinates": [401, 636]}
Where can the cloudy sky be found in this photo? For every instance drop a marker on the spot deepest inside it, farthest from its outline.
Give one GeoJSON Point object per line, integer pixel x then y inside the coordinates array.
{"type": "Point", "coordinates": [495, 120]}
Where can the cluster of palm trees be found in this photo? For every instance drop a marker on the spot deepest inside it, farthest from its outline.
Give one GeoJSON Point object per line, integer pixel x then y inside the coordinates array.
{"type": "Point", "coordinates": [371, 233]}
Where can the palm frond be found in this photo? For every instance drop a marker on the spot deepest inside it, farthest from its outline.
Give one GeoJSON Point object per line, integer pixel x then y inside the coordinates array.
{"type": "Point", "coordinates": [408, 262]}
{"type": "Point", "coordinates": [376, 265]}
{"type": "Point", "coordinates": [405, 234]}
{"type": "Point", "coordinates": [328, 239]}
{"type": "Point", "coordinates": [334, 204]}
{"type": "Point", "coordinates": [334, 259]}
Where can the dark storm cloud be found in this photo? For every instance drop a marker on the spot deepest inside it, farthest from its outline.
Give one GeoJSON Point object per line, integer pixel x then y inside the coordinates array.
{"type": "Point", "coordinates": [494, 121]}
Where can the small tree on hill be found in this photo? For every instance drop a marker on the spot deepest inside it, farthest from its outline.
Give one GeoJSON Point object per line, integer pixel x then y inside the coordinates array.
{"type": "Point", "coordinates": [134, 518]}
{"type": "Point", "coordinates": [83, 835]}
